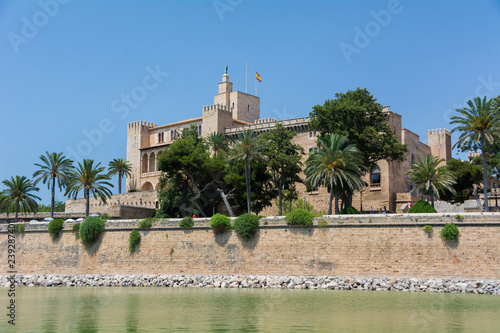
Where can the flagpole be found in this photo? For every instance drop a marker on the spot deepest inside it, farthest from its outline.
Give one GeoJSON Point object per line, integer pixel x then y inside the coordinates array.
{"type": "Point", "coordinates": [255, 82]}
{"type": "Point", "coordinates": [246, 77]}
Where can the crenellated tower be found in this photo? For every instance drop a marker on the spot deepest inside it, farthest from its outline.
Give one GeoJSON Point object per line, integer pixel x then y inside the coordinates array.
{"type": "Point", "coordinates": [439, 140]}
{"type": "Point", "coordinates": [137, 137]}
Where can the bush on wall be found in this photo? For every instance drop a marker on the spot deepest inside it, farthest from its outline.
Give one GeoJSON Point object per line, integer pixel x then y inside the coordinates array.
{"type": "Point", "coordinates": [186, 223]}
{"type": "Point", "coordinates": [299, 216]}
{"type": "Point", "coordinates": [246, 225]}
{"type": "Point", "coordinates": [55, 226]}
{"type": "Point", "coordinates": [450, 232]}
{"type": "Point", "coordinates": [134, 240]}
{"type": "Point", "coordinates": [91, 228]}
{"type": "Point", "coordinates": [220, 223]}
{"type": "Point", "coordinates": [421, 207]}
{"type": "Point", "coordinates": [147, 223]}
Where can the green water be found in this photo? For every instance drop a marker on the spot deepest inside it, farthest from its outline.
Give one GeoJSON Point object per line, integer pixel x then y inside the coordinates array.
{"type": "Point", "coordinates": [247, 310]}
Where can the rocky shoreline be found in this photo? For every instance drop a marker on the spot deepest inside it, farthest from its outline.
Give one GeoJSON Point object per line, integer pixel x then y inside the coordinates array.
{"type": "Point", "coordinates": [256, 281]}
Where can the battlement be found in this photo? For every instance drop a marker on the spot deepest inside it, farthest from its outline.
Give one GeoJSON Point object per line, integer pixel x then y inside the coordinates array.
{"type": "Point", "coordinates": [438, 131]}
{"type": "Point", "coordinates": [265, 120]}
{"type": "Point", "coordinates": [217, 107]}
{"type": "Point", "coordinates": [473, 154]}
{"type": "Point", "coordinates": [141, 124]}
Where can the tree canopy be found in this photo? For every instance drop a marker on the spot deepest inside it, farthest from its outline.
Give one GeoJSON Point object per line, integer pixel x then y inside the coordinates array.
{"type": "Point", "coordinates": [357, 115]}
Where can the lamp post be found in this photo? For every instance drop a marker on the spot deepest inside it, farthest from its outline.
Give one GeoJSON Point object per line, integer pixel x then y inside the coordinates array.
{"type": "Point", "coordinates": [496, 196]}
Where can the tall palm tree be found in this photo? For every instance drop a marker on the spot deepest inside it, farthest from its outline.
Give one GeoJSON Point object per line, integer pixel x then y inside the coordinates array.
{"type": "Point", "coordinates": [17, 196]}
{"type": "Point", "coordinates": [426, 173]}
{"type": "Point", "coordinates": [217, 142]}
{"type": "Point", "coordinates": [121, 167]}
{"type": "Point", "coordinates": [479, 123]}
{"type": "Point", "coordinates": [54, 167]}
{"type": "Point", "coordinates": [337, 165]}
{"type": "Point", "coordinates": [248, 147]}
{"type": "Point", "coordinates": [91, 179]}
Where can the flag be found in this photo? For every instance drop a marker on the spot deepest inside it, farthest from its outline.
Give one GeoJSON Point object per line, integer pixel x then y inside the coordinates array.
{"type": "Point", "coordinates": [257, 76]}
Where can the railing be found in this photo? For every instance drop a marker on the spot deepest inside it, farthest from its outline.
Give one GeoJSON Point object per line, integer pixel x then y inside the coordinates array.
{"type": "Point", "coordinates": [267, 124]}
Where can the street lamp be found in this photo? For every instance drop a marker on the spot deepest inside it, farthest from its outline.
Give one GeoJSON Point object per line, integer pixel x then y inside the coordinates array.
{"type": "Point", "coordinates": [496, 196]}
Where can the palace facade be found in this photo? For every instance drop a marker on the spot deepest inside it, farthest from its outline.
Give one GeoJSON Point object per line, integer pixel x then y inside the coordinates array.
{"type": "Point", "coordinates": [232, 111]}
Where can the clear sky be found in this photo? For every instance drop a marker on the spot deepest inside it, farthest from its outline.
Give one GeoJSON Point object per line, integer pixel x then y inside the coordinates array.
{"type": "Point", "coordinates": [67, 67]}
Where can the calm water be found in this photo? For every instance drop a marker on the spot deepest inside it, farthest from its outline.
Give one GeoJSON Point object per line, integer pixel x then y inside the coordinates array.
{"type": "Point", "coordinates": [247, 310]}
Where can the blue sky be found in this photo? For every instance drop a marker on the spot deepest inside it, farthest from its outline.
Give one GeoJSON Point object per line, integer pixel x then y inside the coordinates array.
{"type": "Point", "coordinates": [66, 67]}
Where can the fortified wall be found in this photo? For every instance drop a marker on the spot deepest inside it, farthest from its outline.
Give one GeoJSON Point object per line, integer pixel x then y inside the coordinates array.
{"type": "Point", "coordinates": [371, 245]}
{"type": "Point", "coordinates": [144, 199]}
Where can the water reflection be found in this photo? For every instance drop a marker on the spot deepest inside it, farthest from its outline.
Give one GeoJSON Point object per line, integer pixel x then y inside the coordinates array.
{"type": "Point", "coordinates": [250, 310]}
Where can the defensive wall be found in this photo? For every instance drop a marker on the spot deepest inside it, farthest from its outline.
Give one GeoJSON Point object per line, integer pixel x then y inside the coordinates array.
{"type": "Point", "coordinates": [384, 245]}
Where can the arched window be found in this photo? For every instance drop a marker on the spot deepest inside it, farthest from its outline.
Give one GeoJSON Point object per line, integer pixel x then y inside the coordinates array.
{"type": "Point", "coordinates": [147, 186]}
{"type": "Point", "coordinates": [144, 163]}
{"type": "Point", "coordinates": [152, 162]}
{"type": "Point", "coordinates": [375, 175]}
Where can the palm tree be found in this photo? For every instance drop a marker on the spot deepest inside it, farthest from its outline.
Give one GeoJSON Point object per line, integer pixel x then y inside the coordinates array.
{"type": "Point", "coordinates": [336, 164]}
{"type": "Point", "coordinates": [17, 196]}
{"type": "Point", "coordinates": [91, 179]}
{"type": "Point", "coordinates": [217, 142]}
{"type": "Point", "coordinates": [248, 148]}
{"type": "Point", "coordinates": [121, 167]}
{"type": "Point", "coordinates": [54, 167]}
{"type": "Point", "coordinates": [479, 123]}
{"type": "Point", "coordinates": [426, 173]}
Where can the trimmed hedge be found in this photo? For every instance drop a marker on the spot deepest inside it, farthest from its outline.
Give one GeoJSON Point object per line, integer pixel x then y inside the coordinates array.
{"type": "Point", "coordinates": [246, 225]}
{"type": "Point", "coordinates": [349, 210]}
{"type": "Point", "coordinates": [134, 240]}
{"type": "Point", "coordinates": [450, 232]}
{"type": "Point", "coordinates": [76, 229]}
{"type": "Point", "coordinates": [186, 223]}
{"type": "Point", "coordinates": [421, 207]}
{"type": "Point", "coordinates": [55, 226]}
{"type": "Point", "coordinates": [299, 216]}
{"type": "Point", "coordinates": [220, 223]}
{"type": "Point", "coordinates": [91, 228]}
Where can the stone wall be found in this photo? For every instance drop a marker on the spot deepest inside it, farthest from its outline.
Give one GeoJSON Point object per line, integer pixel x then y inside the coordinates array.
{"type": "Point", "coordinates": [146, 199]}
{"type": "Point", "coordinates": [373, 245]}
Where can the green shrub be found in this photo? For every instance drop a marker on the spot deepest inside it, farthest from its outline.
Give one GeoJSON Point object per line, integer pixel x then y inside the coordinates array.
{"type": "Point", "coordinates": [220, 223]}
{"type": "Point", "coordinates": [19, 228]}
{"type": "Point", "coordinates": [422, 207]}
{"type": "Point", "coordinates": [186, 223]}
{"type": "Point", "coordinates": [55, 226]}
{"type": "Point", "coordinates": [428, 228]}
{"type": "Point", "coordinates": [91, 228]}
{"type": "Point", "coordinates": [246, 225]}
{"type": "Point", "coordinates": [299, 216]}
{"type": "Point", "coordinates": [133, 190]}
{"type": "Point", "coordinates": [105, 216]}
{"type": "Point", "coordinates": [450, 232]}
{"type": "Point", "coordinates": [147, 223]}
{"type": "Point", "coordinates": [459, 217]}
{"type": "Point", "coordinates": [76, 229]}
{"type": "Point", "coordinates": [134, 240]}
{"type": "Point", "coordinates": [349, 210]}
{"type": "Point", "coordinates": [323, 224]}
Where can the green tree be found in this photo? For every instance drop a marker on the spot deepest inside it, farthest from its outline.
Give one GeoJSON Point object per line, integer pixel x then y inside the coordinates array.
{"type": "Point", "coordinates": [263, 191]}
{"type": "Point", "coordinates": [120, 167]}
{"type": "Point", "coordinates": [335, 164]}
{"type": "Point", "coordinates": [478, 124]}
{"type": "Point", "coordinates": [54, 167]}
{"type": "Point", "coordinates": [248, 148]}
{"type": "Point", "coordinates": [217, 142]}
{"type": "Point", "coordinates": [17, 196]}
{"type": "Point", "coordinates": [188, 168]}
{"type": "Point", "coordinates": [92, 180]}
{"type": "Point", "coordinates": [357, 115]}
{"type": "Point", "coordinates": [427, 173]}
{"type": "Point", "coordinates": [466, 174]}
{"type": "Point", "coordinates": [283, 159]}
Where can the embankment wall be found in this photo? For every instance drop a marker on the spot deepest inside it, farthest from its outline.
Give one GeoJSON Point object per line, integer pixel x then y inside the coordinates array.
{"type": "Point", "coordinates": [375, 246]}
